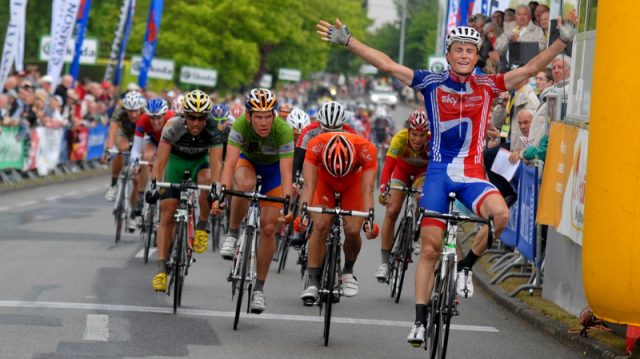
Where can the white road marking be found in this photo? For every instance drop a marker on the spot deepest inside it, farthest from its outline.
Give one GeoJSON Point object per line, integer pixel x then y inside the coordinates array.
{"type": "Point", "coordinates": [221, 314]}
{"type": "Point", "coordinates": [27, 203]}
{"type": "Point", "coordinates": [72, 193]}
{"type": "Point", "coordinates": [140, 254]}
{"type": "Point", "coordinates": [53, 198]}
{"type": "Point", "coordinates": [3, 208]}
{"type": "Point", "coordinates": [97, 328]}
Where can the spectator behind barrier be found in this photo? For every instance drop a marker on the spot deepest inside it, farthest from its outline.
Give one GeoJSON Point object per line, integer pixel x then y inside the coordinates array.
{"type": "Point", "coordinates": [540, 9]}
{"type": "Point", "coordinates": [525, 117]}
{"type": "Point", "coordinates": [497, 18]}
{"type": "Point", "coordinates": [524, 31]}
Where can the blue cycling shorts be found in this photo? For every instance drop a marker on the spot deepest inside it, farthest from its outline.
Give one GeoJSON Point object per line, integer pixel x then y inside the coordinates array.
{"type": "Point", "coordinates": [467, 182]}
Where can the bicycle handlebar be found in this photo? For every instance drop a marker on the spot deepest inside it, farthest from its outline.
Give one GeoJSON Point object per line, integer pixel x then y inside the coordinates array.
{"type": "Point", "coordinates": [461, 218]}
{"type": "Point", "coordinates": [255, 196]}
{"type": "Point", "coordinates": [338, 211]}
{"type": "Point", "coordinates": [183, 185]}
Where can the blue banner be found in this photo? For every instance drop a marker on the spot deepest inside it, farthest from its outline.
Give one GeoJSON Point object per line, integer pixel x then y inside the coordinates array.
{"type": "Point", "coordinates": [150, 40]}
{"type": "Point", "coordinates": [527, 203]}
{"type": "Point", "coordinates": [95, 143]}
{"type": "Point", "coordinates": [123, 45]}
{"type": "Point", "coordinates": [81, 29]}
{"type": "Point", "coordinates": [509, 235]}
{"type": "Point", "coordinates": [465, 9]}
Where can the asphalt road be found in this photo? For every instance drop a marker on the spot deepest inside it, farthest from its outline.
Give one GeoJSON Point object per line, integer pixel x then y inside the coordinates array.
{"type": "Point", "coordinates": [68, 291]}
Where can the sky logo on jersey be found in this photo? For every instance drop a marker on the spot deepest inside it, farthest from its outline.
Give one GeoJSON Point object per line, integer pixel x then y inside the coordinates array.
{"type": "Point", "coordinates": [449, 99]}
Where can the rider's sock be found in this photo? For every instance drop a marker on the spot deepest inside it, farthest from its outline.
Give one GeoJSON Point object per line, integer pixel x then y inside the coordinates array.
{"type": "Point", "coordinates": [162, 268]}
{"type": "Point", "coordinates": [468, 261]}
{"type": "Point", "coordinates": [385, 255]}
{"type": "Point", "coordinates": [233, 233]}
{"type": "Point", "coordinates": [314, 276]}
{"type": "Point", "coordinates": [348, 266]}
{"type": "Point", "coordinates": [114, 181]}
{"type": "Point", "coordinates": [259, 286]}
{"type": "Point", "coordinates": [421, 313]}
{"type": "Point", "coordinates": [202, 225]}
{"type": "Point", "coordinates": [140, 196]}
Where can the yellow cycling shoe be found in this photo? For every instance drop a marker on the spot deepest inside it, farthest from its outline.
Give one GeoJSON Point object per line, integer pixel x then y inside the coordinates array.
{"type": "Point", "coordinates": [159, 282]}
{"type": "Point", "coordinates": [200, 241]}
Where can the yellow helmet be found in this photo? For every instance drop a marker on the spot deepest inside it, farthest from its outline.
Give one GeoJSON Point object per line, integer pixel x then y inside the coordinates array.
{"type": "Point", "coordinates": [197, 101]}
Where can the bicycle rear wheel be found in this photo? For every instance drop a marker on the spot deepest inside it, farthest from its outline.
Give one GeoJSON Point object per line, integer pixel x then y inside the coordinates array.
{"type": "Point", "coordinates": [329, 289]}
{"type": "Point", "coordinates": [246, 258]}
{"type": "Point", "coordinates": [405, 253]}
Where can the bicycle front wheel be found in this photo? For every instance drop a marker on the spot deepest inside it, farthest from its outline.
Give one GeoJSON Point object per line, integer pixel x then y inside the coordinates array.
{"type": "Point", "coordinates": [329, 289]}
{"type": "Point", "coordinates": [442, 311]}
{"type": "Point", "coordinates": [405, 255]}
{"type": "Point", "coordinates": [149, 230]}
{"type": "Point", "coordinates": [245, 260]}
{"type": "Point", "coordinates": [119, 212]}
{"type": "Point", "coordinates": [179, 266]}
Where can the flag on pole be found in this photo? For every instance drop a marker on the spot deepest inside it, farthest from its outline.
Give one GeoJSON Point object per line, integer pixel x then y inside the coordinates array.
{"type": "Point", "coordinates": [81, 29]}
{"type": "Point", "coordinates": [64, 14]}
{"type": "Point", "coordinates": [117, 40]}
{"type": "Point", "coordinates": [125, 40]}
{"type": "Point", "coordinates": [150, 40]}
{"type": "Point", "coordinates": [13, 49]}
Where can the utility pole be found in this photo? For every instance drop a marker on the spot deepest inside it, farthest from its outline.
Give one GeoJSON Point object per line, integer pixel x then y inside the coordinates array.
{"type": "Point", "coordinates": [402, 28]}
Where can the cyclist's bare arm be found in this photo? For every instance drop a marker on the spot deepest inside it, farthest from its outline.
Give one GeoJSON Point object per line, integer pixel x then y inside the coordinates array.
{"type": "Point", "coordinates": [164, 150]}
{"type": "Point", "coordinates": [375, 57]}
{"type": "Point", "coordinates": [309, 173]}
{"type": "Point", "coordinates": [286, 177]}
{"type": "Point", "coordinates": [215, 163]}
{"type": "Point", "coordinates": [233, 154]}
{"type": "Point", "coordinates": [535, 65]}
{"type": "Point", "coordinates": [368, 179]}
{"type": "Point", "coordinates": [113, 131]}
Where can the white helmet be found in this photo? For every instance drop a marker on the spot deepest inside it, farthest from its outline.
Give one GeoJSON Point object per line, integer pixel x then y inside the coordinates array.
{"type": "Point", "coordinates": [133, 100]}
{"type": "Point", "coordinates": [464, 34]}
{"type": "Point", "coordinates": [176, 105]}
{"type": "Point", "coordinates": [298, 119]}
{"type": "Point", "coordinates": [331, 115]}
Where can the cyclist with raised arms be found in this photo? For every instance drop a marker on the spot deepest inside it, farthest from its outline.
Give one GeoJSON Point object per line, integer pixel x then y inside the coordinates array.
{"type": "Point", "coordinates": [145, 142]}
{"type": "Point", "coordinates": [457, 104]}
{"type": "Point", "coordinates": [260, 143]}
{"type": "Point", "coordinates": [407, 156]}
{"type": "Point", "coordinates": [344, 163]}
{"type": "Point", "coordinates": [191, 142]}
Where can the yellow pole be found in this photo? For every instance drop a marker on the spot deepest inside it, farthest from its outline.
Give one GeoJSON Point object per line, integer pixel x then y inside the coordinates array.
{"type": "Point", "coordinates": [611, 243]}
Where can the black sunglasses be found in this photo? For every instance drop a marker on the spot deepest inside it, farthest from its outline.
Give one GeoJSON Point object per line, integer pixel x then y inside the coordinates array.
{"type": "Point", "coordinates": [196, 118]}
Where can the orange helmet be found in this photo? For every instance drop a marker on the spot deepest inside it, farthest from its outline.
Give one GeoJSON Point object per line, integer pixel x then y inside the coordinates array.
{"type": "Point", "coordinates": [285, 110]}
{"type": "Point", "coordinates": [339, 156]}
{"type": "Point", "coordinates": [260, 100]}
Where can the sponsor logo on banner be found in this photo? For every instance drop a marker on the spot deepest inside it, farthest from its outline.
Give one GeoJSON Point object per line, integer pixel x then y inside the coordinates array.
{"type": "Point", "coordinates": [563, 183]}
{"type": "Point", "coordinates": [48, 150]}
{"type": "Point", "coordinates": [198, 76]}
{"type": "Point", "coordinates": [289, 75]}
{"type": "Point", "coordinates": [125, 9]}
{"type": "Point", "coordinates": [63, 22]}
{"type": "Point", "coordinates": [572, 221]}
{"type": "Point", "coordinates": [11, 148]}
{"type": "Point", "coordinates": [160, 68]}
{"type": "Point", "coordinates": [88, 54]}
{"type": "Point", "coordinates": [13, 48]}
{"type": "Point", "coordinates": [266, 81]}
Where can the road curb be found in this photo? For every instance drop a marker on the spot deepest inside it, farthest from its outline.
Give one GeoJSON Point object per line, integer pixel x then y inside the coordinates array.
{"type": "Point", "coordinates": [43, 181]}
{"type": "Point", "coordinates": [589, 347]}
